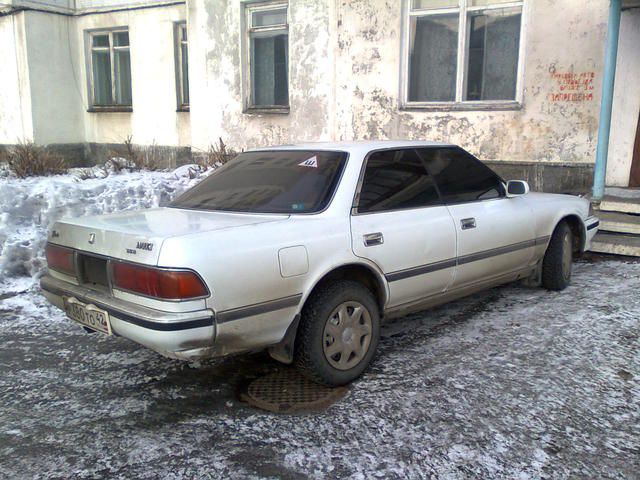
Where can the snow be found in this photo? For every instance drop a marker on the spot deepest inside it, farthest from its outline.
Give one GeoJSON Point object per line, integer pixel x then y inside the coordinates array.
{"type": "Point", "coordinates": [29, 207]}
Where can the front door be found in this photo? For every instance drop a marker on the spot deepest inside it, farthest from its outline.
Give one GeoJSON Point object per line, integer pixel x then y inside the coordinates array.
{"type": "Point", "coordinates": [495, 234]}
{"type": "Point", "coordinates": [400, 224]}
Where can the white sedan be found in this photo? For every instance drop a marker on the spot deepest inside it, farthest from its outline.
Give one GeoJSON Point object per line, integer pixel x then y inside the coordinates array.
{"type": "Point", "coordinates": [305, 249]}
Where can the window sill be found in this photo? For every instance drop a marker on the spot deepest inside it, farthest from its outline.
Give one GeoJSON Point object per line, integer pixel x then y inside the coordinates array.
{"type": "Point", "coordinates": [461, 106]}
{"type": "Point", "coordinates": [110, 109]}
{"type": "Point", "coordinates": [183, 108]}
{"type": "Point", "coordinates": [266, 110]}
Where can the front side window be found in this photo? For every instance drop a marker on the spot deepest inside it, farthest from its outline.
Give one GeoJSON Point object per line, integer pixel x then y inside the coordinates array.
{"type": "Point", "coordinates": [396, 179]}
{"type": "Point", "coordinates": [182, 62]}
{"type": "Point", "coordinates": [110, 68]}
{"type": "Point", "coordinates": [285, 181]}
{"type": "Point", "coordinates": [463, 51]}
{"type": "Point", "coordinates": [460, 176]}
{"type": "Point", "coordinates": [268, 51]}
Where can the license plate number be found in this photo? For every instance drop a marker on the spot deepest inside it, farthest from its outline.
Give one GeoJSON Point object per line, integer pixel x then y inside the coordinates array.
{"type": "Point", "coordinates": [88, 315]}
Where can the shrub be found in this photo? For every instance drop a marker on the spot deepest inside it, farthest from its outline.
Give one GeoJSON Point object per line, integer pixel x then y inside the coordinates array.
{"type": "Point", "coordinates": [135, 157]}
{"type": "Point", "coordinates": [26, 159]}
{"type": "Point", "coordinates": [217, 154]}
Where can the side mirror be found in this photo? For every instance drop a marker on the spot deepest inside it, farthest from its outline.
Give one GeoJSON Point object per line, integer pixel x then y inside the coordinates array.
{"type": "Point", "coordinates": [516, 188]}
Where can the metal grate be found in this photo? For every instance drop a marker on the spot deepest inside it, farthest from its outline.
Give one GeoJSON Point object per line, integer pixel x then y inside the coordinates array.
{"type": "Point", "coordinates": [287, 391]}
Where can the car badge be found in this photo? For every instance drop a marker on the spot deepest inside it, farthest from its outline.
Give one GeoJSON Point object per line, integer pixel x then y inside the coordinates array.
{"type": "Point", "coordinates": [92, 238]}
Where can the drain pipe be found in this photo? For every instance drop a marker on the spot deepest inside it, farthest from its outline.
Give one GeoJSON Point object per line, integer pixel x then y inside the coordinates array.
{"type": "Point", "coordinates": [610, 57]}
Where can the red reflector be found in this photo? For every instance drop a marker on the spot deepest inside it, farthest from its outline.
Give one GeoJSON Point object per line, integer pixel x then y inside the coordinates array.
{"type": "Point", "coordinates": [155, 282]}
{"type": "Point", "coordinates": [60, 259]}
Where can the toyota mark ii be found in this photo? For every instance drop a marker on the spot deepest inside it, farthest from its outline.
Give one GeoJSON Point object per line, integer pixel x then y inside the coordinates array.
{"type": "Point", "coordinates": [305, 249]}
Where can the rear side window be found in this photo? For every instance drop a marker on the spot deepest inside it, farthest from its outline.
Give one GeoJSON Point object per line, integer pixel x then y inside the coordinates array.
{"type": "Point", "coordinates": [396, 179]}
{"type": "Point", "coordinates": [460, 176]}
{"type": "Point", "coordinates": [286, 181]}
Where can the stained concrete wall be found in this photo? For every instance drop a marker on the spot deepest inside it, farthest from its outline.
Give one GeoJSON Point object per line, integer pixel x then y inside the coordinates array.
{"type": "Point", "coordinates": [216, 70]}
{"type": "Point", "coordinates": [560, 37]}
{"type": "Point", "coordinates": [15, 95]}
{"type": "Point", "coordinates": [358, 43]}
{"type": "Point", "coordinates": [345, 73]}
{"type": "Point", "coordinates": [626, 100]}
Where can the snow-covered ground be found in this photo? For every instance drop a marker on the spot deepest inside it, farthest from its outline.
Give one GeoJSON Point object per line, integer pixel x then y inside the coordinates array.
{"type": "Point", "coordinates": [511, 383]}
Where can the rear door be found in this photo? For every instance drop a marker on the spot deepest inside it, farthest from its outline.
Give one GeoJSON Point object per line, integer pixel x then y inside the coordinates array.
{"type": "Point", "coordinates": [400, 223]}
{"type": "Point", "coordinates": [495, 234]}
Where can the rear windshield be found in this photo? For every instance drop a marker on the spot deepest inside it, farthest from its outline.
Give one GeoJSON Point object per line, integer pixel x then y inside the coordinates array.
{"type": "Point", "coordinates": [290, 181]}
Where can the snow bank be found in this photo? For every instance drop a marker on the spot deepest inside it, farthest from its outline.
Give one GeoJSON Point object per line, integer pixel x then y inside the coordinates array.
{"type": "Point", "coordinates": [29, 207]}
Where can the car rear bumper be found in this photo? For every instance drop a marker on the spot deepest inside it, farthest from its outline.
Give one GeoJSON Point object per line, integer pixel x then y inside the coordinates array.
{"type": "Point", "coordinates": [182, 335]}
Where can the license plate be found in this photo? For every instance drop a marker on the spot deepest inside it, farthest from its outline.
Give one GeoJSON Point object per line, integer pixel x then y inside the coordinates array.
{"type": "Point", "coordinates": [88, 315]}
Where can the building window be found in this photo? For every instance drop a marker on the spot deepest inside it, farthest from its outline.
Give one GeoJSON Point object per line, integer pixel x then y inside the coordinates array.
{"type": "Point", "coordinates": [462, 51]}
{"type": "Point", "coordinates": [268, 55]}
{"type": "Point", "coordinates": [182, 62]}
{"type": "Point", "coordinates": [110, 68]}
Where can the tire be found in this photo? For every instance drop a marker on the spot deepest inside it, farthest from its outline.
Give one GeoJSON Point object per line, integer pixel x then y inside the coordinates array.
{"type": "Point", "coordinates": [338, 333]}
{"type": "Point", "coordinates": [556, 265]}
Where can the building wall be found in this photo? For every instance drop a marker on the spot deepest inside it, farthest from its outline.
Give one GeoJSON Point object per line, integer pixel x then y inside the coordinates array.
{"type": "Point", "coordinates": [56, 89]}
{"type": "Point", "coordinates": [216, 76]}
{"type": "Point", "coordinates": [345, 71]}
{"type": "Point", "coordinates": [44, 94]}
{"type": "Point", "coordinates": [53, 5]}
{"type": "Point", "coordinates": [626, 100]}
{"type": "Point", "coordinates": [15, 96]}
{"type": "Point", "coordinates": [560, 37]}
{"type": "Point", "coordinates": [154, 118]}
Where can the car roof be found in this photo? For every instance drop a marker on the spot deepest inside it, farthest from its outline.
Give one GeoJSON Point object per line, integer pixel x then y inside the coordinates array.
{"type": "Point", "coordinates": [350, 146]}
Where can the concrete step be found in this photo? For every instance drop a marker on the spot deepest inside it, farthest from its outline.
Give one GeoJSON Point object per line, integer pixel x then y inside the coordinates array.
{"type": "Point", "coordinates": [612, 203]}
{"type": "Point", "coordinates": [619, 222]}
{"type": "Point", "coordinates": [616, 244]}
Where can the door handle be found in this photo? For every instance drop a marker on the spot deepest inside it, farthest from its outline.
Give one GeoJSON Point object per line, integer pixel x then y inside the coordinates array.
{"type": "Point", "coordinates": [467, 223]}
{"type": "Point", "coordinates": [371, 239]}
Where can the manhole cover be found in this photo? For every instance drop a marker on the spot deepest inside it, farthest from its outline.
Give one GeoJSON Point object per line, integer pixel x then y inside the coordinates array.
{"type": "Point", "coordinates": [287, 391]}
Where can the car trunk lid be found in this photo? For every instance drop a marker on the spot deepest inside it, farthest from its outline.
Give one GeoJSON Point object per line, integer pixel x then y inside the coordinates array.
{"type": "Point", "coordinates": [137, 236]}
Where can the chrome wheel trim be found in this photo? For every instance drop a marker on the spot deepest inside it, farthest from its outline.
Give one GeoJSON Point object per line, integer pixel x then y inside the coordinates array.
{"type": "Point", "coordinates": [347, 335]}
{"type": "Point", "coordinates": [567, 255]}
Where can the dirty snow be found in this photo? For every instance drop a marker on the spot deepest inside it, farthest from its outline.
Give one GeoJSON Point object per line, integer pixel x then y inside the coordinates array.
{"type": "Point", "coordinates": [511, 383]}
{"type": "Point", "coordinates": [29, 207]}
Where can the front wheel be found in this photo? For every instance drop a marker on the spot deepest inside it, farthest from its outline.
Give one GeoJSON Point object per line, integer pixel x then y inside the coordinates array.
{"type": "Point", "coordinates": [556, 265]}
{"type": "Point", "coordinates": [338, 333]}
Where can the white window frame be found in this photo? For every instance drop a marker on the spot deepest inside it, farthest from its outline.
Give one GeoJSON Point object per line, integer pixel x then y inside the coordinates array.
{"type": "Point", "coordinates": [248, 29]}
{"type": "Point", "coordinates": [89, 63]}
{"type": "Point", "coordinates": [463, 11]}
{"type": "Point", "coordinates": [179, 27]}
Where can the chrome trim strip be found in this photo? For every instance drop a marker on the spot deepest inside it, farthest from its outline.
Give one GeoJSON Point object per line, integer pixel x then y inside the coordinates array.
{"type": "Point", "coordinates": [258, 308]}
{"type": "Point", "coordinates": [421, 270]}
{"type": "Point", "coordinates": [474, 257]}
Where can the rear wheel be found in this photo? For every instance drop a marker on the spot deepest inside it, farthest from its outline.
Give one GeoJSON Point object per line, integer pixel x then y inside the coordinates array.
{"type": "Point", "coordinates": [338, 333]}
{"type": "Point", "coordinates": [557, 262]}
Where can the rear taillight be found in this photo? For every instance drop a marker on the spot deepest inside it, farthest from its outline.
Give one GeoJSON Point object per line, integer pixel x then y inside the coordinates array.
{"type": "Point", "coordinates": [157, 282]}
{"type": "Point", "coordinates": [60, 259]}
